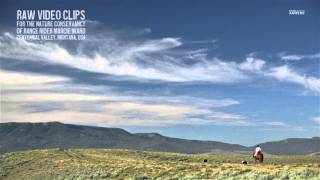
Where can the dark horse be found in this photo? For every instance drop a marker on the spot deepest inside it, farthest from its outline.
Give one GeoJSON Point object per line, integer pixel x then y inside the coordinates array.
{"type": "Point", "coordinates": [259, 157]}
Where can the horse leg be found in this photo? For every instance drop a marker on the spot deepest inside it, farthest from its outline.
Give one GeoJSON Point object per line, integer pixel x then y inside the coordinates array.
{"type": "Point", "coordinates": [261, 158]}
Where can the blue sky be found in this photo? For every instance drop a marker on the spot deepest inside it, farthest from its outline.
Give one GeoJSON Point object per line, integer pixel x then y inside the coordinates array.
{"type": "Point", "coordinates": [239, 72]}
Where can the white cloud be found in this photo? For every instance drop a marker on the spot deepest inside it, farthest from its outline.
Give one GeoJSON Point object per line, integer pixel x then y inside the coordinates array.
{"type": "Point", "coordinates": [15, 80]}
{"type": "Point", "coordinates": [157, 45]}
{"type": "Point", "coordinates": [99, 119]}
{"type": "Point", "coordinates": [157, 109]}
{"type": "Point", "coordinates": [151, 59]}
{"type": "Point", "coordinates": [85, 107]}
{"type": "Point", "coordinates": [268, 125]}
{"type": "Point", "coordinates": [31, 103]}
{"type": "Point", "coordinates": [292, 57]}
{"type": "Point", "coordinates": [116, 114]}
{"type": "Point", "coordinates": [222, 115]}
{"type": "Point", "coordinates": [282, 73]}
{"type": "Point", "coordinates": [47, 96]}
{"type": "Point", "coordinates": [316, 120]}
{"type": "Point", "coordinates": [276, 123]}
{"type": "Point", "coordinates": [252, 64]}
{"type": "Point", "coordinates": [157, 59]}
{"type": "Point", "coordinates": [222, 118]}
{"type": "Point", "coordinates": [286, 128]}
{"type": "Point", "coordinates": [297, 57]}
{"type": "Point", "coordinates": [286, 74]}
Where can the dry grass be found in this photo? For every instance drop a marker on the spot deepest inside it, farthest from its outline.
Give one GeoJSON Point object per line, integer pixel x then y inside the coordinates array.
{"type": "Point", "coordinates": [126, 164]}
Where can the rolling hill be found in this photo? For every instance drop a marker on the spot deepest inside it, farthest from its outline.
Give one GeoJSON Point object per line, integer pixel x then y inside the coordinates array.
{"type": "Point", "coordinates": [293, 146]}
{"type": "Point", "coordinates": [28, 136]}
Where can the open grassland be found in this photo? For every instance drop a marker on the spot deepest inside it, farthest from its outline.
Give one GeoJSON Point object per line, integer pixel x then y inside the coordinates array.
{"type": "Point", "coordinates": [129, 164]}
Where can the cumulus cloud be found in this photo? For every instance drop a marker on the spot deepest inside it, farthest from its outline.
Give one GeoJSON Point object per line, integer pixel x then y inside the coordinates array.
{"type": "Point", "coordinates": [252, 64]}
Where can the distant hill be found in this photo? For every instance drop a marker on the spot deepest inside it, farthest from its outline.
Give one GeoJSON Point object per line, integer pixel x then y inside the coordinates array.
{"type": "Point", "coordinates": [27, 136]}
{"type": "Point", "coordinates": [293, 146]}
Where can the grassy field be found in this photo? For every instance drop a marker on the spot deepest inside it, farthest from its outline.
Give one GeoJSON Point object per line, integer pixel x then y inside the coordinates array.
{"type": "Point", "coordinates": [128, 164]}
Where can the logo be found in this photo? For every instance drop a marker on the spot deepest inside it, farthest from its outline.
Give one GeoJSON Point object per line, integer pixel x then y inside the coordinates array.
{"type": "Point", "coordinates": [296, 12]}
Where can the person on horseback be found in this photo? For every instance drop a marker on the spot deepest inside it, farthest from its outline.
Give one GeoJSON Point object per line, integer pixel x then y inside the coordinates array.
{"type": "Point", "coordinates": [257, 150]}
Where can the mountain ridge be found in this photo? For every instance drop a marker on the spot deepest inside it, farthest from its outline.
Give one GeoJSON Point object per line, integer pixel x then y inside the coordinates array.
{"type": "Point", "coordinates": [16, 136]}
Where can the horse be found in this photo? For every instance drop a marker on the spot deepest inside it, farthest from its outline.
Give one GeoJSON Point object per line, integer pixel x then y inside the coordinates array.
{"type": "Point", "coordinates": [259, 157]}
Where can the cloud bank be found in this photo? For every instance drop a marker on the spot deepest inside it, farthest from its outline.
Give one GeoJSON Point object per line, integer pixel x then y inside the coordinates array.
{"type": "Point", "coordinates": [163, 59]}
{"type": "Point", "coordinates": [43, 98]}
{"type": "Point", "coordinates": [24, 99]}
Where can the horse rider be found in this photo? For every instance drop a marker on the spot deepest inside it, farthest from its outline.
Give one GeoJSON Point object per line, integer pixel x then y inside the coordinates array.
{"type": "Point", "coordinates": [257, 150]}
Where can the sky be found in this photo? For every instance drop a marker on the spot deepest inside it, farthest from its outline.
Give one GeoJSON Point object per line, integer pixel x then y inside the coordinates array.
{"type": "Point", "coordinates": [239, 72]}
